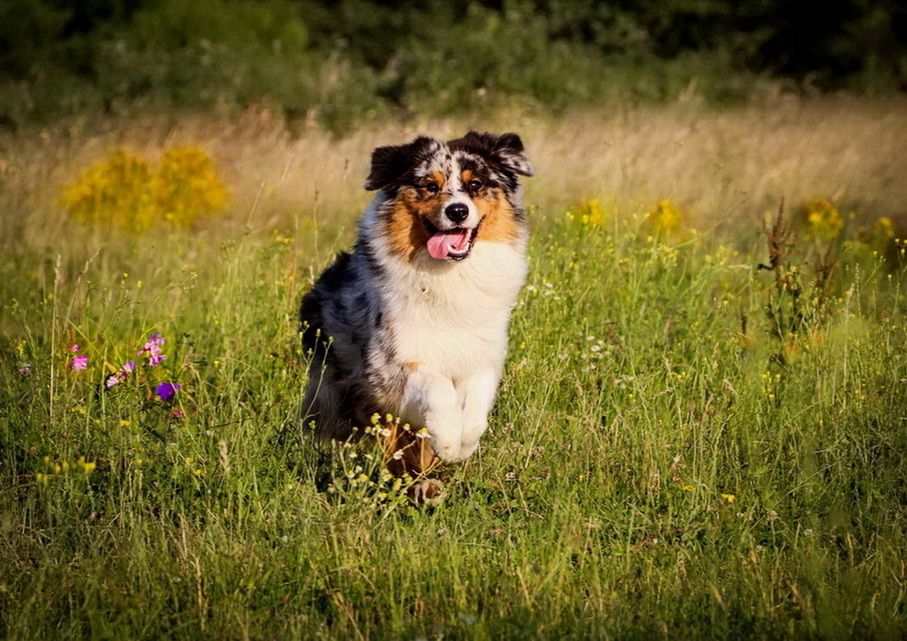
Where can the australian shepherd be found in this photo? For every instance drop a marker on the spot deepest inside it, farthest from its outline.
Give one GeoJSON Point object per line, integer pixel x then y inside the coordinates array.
{"type": "Point", "coordinates": [414, 321]}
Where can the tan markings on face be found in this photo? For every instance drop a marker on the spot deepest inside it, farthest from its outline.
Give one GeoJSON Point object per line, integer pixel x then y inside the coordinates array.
{"type": "Point", "coordinates": [466, 176]}
{"type": "Point", "coordinates": [405, 227]}
{"type": "Point", "coordinates": [499, 225]}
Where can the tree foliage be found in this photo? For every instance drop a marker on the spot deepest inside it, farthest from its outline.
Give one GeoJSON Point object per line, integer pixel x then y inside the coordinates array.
{"type": "Point", "coordinates": [345, 58]}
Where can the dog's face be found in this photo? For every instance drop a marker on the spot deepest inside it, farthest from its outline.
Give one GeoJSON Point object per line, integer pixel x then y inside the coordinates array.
{"type": "Point", "coordinates": [444, 196]}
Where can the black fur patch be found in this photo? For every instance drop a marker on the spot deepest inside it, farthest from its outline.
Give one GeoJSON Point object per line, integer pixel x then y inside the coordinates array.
{"type": "Point", "coordinates": [503, 153]}
{"type": "Point", "coordinates": [392, 166]}
{"type": "Point", "coordinates": [310, 318]}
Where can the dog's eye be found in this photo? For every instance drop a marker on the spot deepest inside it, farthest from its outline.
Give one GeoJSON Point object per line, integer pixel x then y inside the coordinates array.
{"type": "Point", "coordinates": [431, 188]}
{"type": "Point", "coordinates": [474, 185]}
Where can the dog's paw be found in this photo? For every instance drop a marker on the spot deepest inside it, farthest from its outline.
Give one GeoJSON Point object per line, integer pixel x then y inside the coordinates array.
{"type": "Point", "coordinates": [445, 439]}
{"type": "Point", "coordinates": [448, 450]}
{"type": "Point", "coordinates": [467, 449]}
{"type": "Point", "coordinates": [427, 493]}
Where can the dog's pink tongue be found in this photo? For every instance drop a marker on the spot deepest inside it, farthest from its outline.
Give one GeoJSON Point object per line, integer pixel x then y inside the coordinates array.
{"type": "Point", "coordinates": [440, 244]}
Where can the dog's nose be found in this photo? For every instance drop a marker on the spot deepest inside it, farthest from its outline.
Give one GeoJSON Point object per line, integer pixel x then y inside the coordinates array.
{"type": "Point", "coordinates": [457, 212]}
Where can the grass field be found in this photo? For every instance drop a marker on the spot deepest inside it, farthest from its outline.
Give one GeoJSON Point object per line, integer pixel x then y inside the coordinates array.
{"type": "Point", "coordinates": [684, 445]}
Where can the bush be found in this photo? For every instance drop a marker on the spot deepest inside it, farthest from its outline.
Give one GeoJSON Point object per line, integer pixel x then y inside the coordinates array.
{"type": "Point", "coordinates": [345, 59]}
{"type": "Point", "coordinates": [127, 191]}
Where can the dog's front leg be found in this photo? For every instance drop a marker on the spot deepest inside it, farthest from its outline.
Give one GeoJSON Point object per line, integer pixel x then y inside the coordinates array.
{"type": "Point", "coordinates": [430, 400]}
{"type": "Point", "coordinates": [478, 398]}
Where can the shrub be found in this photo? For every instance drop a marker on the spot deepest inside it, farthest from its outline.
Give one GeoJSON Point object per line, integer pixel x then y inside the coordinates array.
{"type": "Point", "coordinates": [821, 219]}
{"type": "Point", "coordinates": [126, 191]}
{"type": "Point", "coordinates": [665, 219]}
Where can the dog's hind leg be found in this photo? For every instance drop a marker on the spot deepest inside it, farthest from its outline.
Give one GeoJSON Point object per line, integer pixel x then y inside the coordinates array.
{"type": "Point", "coordinates": [323, 405]}
{"type": "Point", "coordinates": [408, 453]}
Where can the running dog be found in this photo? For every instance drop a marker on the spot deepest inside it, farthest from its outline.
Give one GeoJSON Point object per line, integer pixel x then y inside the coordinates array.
{"type": "Point", "coordinates": [414, 321]}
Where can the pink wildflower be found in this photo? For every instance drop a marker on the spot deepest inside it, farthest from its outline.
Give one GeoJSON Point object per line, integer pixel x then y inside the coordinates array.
{"type": "Point", "coordinates": [113, 380]}
{"type": "Point", "coordinates": [156, 356]}
{"type": "Point", "coordinates": [79, 363]}
{"type": "Point", "coordinates": [74, 348]}
{"type": "Point", "coordinates": [152, 348]}
{"type": "Point", "coordinates": [155, 340]}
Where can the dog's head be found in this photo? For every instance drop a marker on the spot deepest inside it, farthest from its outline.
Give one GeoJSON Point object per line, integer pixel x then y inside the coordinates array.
{"type": "Point", "coordinates": [442, 197]}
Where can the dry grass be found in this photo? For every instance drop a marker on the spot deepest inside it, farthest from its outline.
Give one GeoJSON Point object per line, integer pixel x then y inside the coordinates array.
{"type": "Point", "coordinates": [722, 166]}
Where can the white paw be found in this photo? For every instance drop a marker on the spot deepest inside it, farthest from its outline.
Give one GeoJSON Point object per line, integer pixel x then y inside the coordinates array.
{"type": "Point", "coordinates": [469, 442]}
{"type": "Point", "coordinates": [468, 448]}
{"type": "Point", "coordinates": [447, 449]}
{"type": "Point", "coordinates": [446, 436]}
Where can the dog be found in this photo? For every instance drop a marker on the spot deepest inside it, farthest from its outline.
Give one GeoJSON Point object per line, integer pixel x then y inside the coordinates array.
{"type": "Point", "coordinates": [414, 320]}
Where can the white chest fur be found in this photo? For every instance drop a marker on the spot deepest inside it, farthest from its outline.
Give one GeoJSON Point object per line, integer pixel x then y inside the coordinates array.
{"type": "Point", "coordinates": [453, 317]}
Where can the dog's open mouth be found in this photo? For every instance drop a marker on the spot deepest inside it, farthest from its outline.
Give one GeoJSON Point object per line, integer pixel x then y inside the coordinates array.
{"type": "Point", "coordinates": [452, 244]}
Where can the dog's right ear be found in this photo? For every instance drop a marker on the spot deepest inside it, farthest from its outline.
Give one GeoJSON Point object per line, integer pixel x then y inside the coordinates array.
{"type": "Point", "coordinates": [390, 164]}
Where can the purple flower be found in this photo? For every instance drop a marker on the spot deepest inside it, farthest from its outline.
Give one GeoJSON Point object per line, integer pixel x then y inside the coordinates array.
{"type": "Point", "coordinates": [167, 390]}
{"type": "Point", "coordinates": [128, 368]}
{"type": "Point", "coordinates": [25, 369]}
{"type": "Point", "coordinates": [74, 348]}
{"type": "Point", "coordinates": [79, 363]}
{"type": "Point", "coordinates": [112, 380]}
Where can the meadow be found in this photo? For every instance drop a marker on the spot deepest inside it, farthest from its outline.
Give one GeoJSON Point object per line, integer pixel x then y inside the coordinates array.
{"type": "Point", "coordinates": [701, 433]}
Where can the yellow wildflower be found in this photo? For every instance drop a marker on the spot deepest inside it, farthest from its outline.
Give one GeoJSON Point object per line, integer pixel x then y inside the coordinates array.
{"type": "Point", "coordinates": [186, 186]}
{"type": "Point", "coordinates": [822, 218]}
{"type": "Point", "coordinates": [883, 235]}
{"type": "Point", "coordinates": [113, 191]}
{"type": "Point", "coordinates": [588, 212]}
{"type": "Point", "coordinates": [664, 219]}
{"type": "Point", "coordinates": [127, 191]}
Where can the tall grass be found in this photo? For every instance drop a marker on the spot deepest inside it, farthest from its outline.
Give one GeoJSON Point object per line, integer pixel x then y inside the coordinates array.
{"type": "Point", "coordinates": [666, 457]}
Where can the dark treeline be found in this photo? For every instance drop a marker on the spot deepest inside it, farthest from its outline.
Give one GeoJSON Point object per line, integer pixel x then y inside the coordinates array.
{"type": "Point", "coordinates": [347, 59]}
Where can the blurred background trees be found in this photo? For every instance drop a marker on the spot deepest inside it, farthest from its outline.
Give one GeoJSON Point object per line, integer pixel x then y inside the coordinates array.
{"type": "Point", "coordinates": [347, 60]}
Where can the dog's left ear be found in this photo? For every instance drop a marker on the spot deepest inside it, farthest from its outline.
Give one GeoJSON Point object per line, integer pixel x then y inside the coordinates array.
{"type": "Point", "coordinates": [505, 150]}
{"type": "Point", "coordinates": [391, 164]}
{"type": "Point", "coordinates": [509, 148]}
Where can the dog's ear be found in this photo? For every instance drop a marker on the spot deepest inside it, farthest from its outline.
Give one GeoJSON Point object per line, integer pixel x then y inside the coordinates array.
{"type": "Point", "coordinates": [390, 164]}
{"type": "Point", "coordinates": [505, 150]}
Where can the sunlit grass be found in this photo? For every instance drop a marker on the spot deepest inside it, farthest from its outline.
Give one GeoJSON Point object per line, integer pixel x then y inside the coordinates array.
{"type": "Point", "coordinates": [698, 434]}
